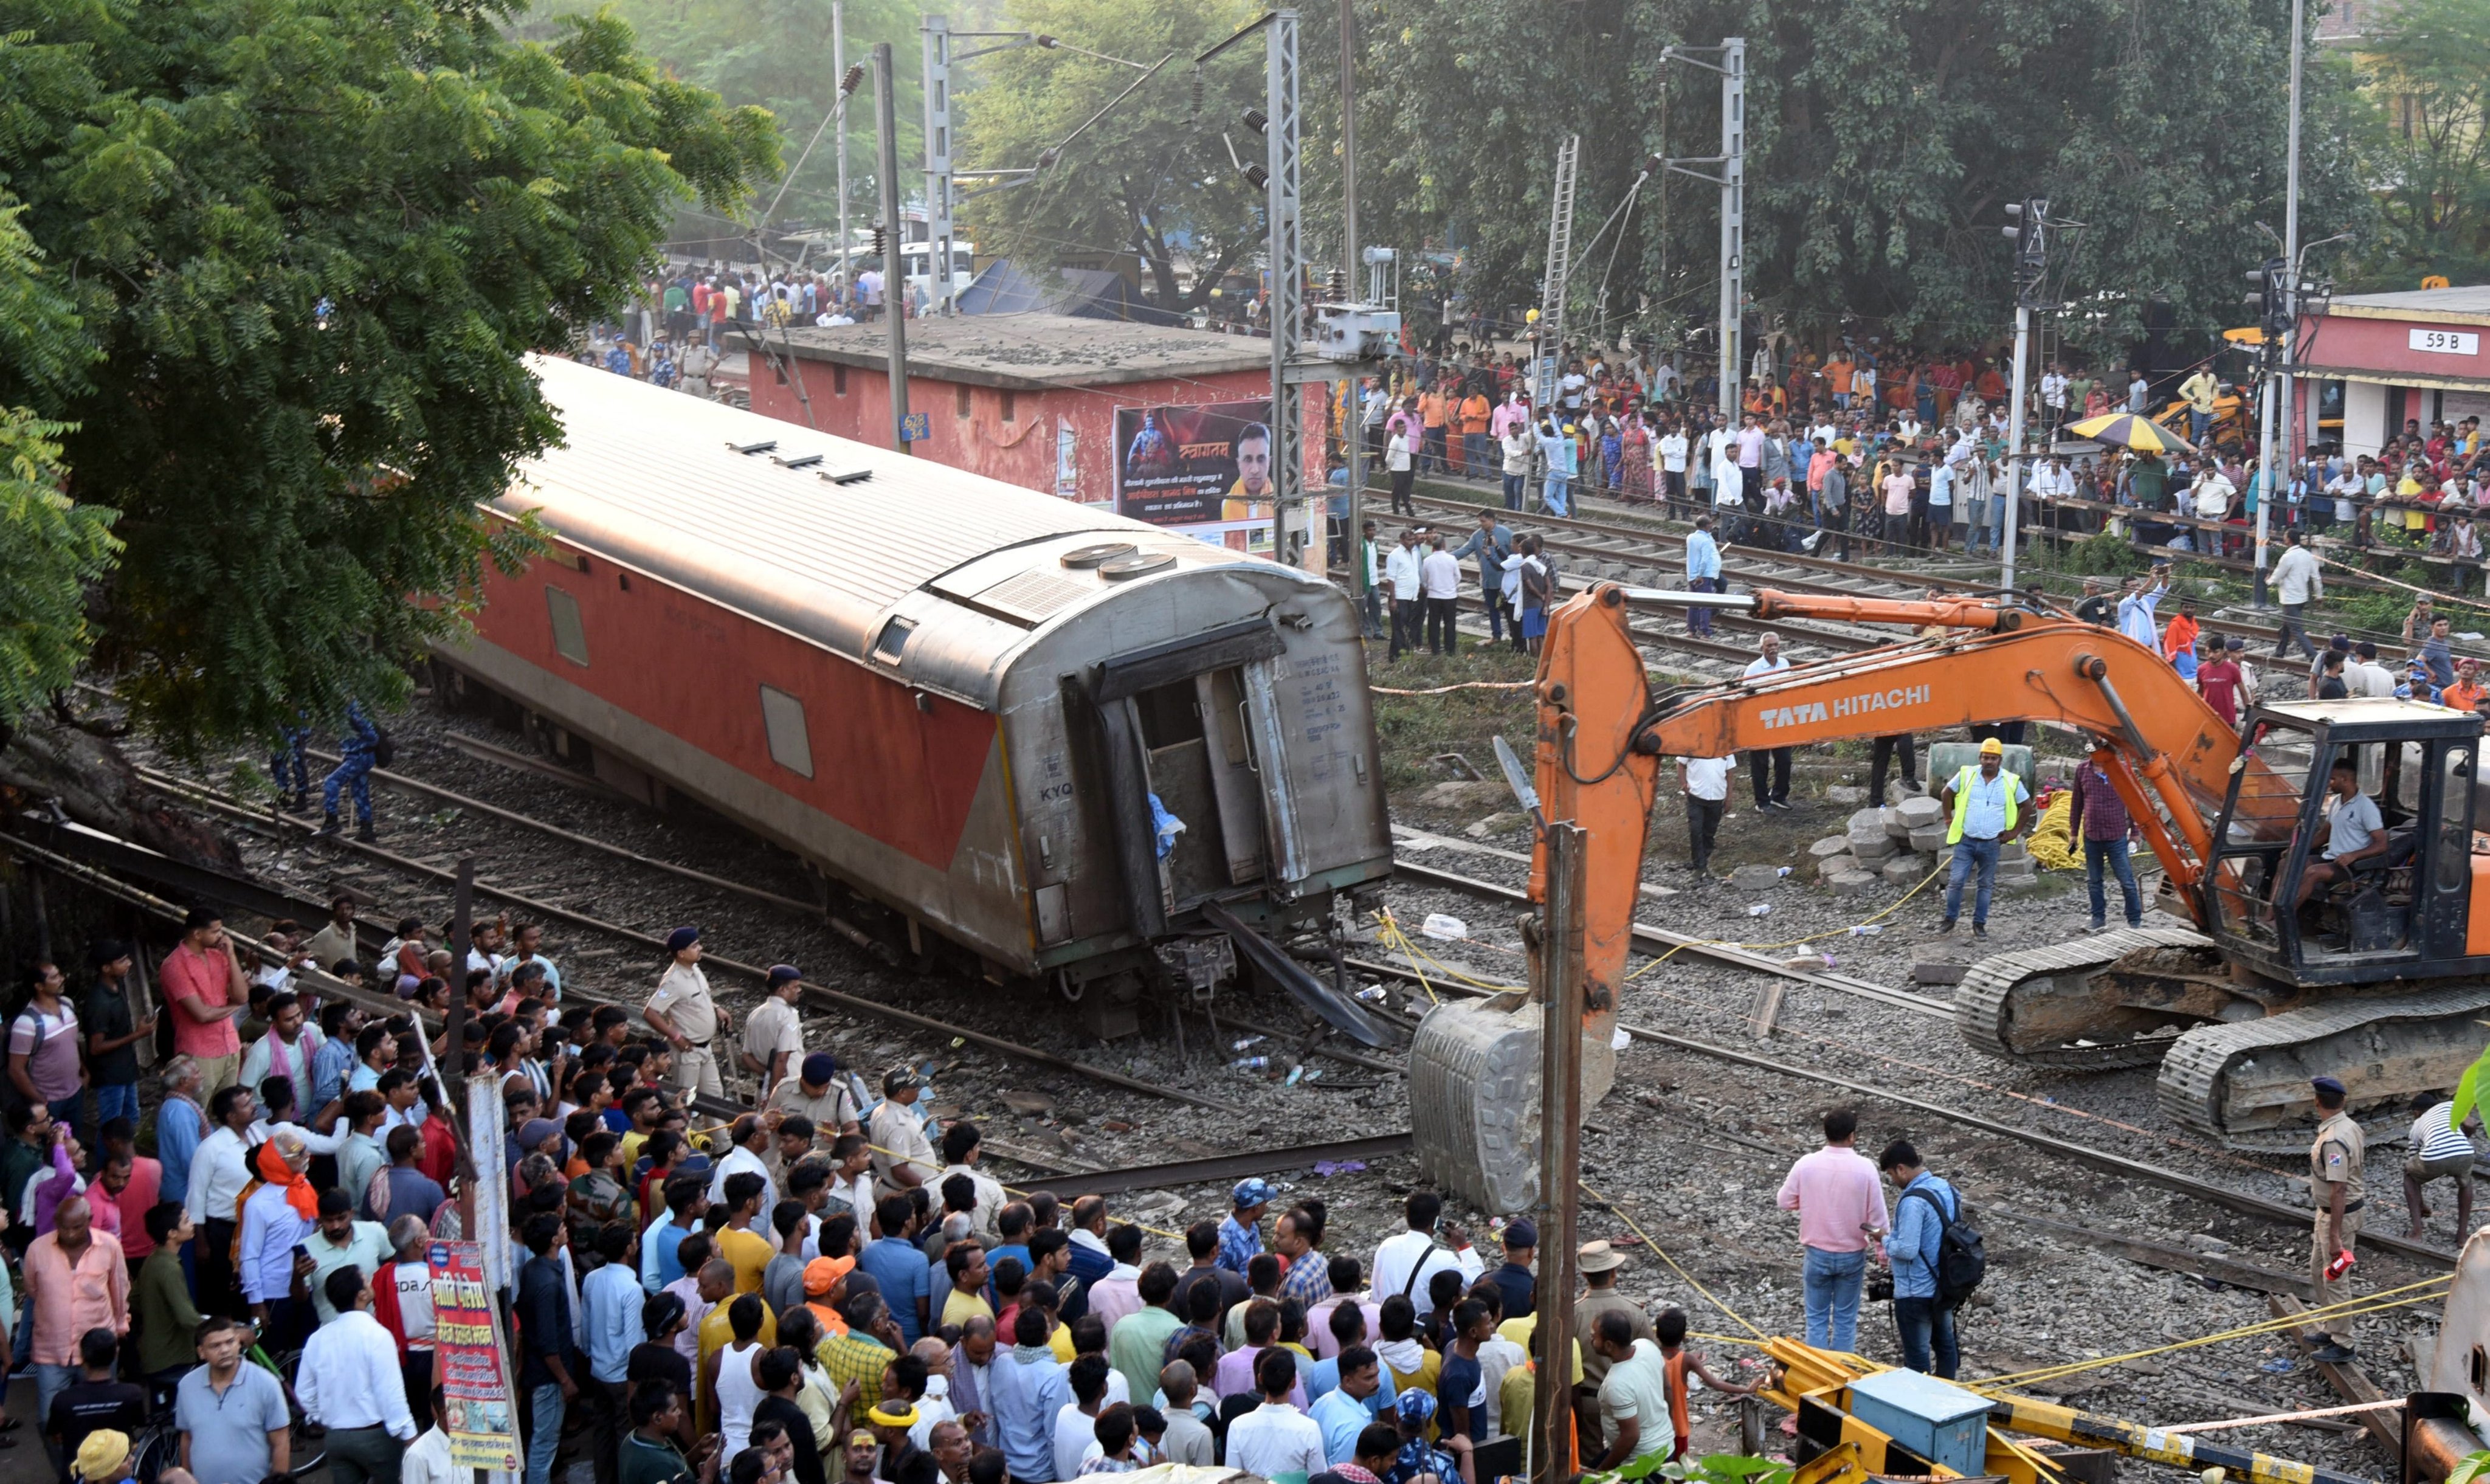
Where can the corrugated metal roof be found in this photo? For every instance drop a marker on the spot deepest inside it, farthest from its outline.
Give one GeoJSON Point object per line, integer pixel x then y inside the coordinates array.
{"type": "Point", "coordinates": [2464, 300]}
{"type": "Point", "coordinates": [647, 478]}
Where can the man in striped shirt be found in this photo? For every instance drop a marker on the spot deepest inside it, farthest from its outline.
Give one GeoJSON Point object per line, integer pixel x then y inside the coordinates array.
{"type": "Point", "coordinates": [2439, 1151]}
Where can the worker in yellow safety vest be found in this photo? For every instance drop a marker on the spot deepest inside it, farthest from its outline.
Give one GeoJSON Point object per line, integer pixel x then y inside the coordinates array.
{"type": "Point", "coordinates": [1986, 802]}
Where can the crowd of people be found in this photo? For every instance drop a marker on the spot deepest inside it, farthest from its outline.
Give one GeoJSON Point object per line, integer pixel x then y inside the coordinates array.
{"type": "Point", "coordinates": [825, 1285]}
{"type": "Point", "coordinates": [1878, 451]}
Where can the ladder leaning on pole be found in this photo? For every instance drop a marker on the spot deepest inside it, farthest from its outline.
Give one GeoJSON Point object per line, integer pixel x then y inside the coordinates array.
{"type": "Point", "coordinates": [1560, 255]}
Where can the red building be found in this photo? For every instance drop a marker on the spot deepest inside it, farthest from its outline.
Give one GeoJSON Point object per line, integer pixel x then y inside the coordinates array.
{"type": "Point", "coordinates": [2382, 360]}
{"type": "Point", "coordinates": [1028, 398]}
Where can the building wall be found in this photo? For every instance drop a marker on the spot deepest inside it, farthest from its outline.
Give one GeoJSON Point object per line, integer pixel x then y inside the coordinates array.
{"type": "Point", "coordinates": [2384, 346]}
{"type": "Point", "coordinates": [1013, 436]}
{"type": "Point", "coordinates": [2364, 418]}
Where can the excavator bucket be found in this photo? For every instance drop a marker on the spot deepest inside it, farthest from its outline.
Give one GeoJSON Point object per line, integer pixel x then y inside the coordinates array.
{"type": "Point", "coordinates": [1475, 1098]}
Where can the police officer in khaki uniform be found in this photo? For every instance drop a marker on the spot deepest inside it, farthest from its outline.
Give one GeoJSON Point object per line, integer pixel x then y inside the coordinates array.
{"type": "Point", "coordinates": [903, 1157]}
{"type": "Point", "coordinates": [2334, 1166]}
{"type": "Point", "coordinates": [684, 1013]}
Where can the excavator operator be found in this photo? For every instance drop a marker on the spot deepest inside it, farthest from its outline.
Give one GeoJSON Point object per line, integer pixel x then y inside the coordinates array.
{"type": "Point", "coordinates": [2356, 831]}
{"type": "Point", "coordinates": [1988, 806]}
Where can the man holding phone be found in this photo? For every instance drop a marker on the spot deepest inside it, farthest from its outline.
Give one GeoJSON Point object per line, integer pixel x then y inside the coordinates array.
{"type": "Point", "coordinates": [1405, 1261]}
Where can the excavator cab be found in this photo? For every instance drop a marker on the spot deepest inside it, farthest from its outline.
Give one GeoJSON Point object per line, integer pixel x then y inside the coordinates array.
{"type": "Point", "coordinates": [2287, 894]}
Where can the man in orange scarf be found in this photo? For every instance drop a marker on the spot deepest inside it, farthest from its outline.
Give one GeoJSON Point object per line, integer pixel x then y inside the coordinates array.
{"type": "Point", "coordinates": [278, 1211]}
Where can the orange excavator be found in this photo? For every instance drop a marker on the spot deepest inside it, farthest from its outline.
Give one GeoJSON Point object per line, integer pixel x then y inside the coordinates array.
{"type": "Point", "coordinates": [2379, 979]}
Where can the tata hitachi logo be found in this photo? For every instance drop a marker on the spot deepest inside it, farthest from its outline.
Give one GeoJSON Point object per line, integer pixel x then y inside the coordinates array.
{"type": "Point", "coordinates": [1859, 705]}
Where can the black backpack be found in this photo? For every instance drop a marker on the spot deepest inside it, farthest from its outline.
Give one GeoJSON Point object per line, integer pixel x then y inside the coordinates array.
{"type": "Point", "coordinates": [1963, 1261]}
{"type": "Point", "coordinates": [383, 747]}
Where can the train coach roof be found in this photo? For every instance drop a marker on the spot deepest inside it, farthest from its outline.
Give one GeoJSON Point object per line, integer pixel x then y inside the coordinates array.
{"type": "Point", "coordinates": [652, 479]}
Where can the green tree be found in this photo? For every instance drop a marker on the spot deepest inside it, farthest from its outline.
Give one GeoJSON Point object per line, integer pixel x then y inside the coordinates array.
{"type": "Point", "coordinates": [2425, 136]}
{"type": "Point", "coordinates": [305, 243]}
{"type": "Point", "coordinates": [1152, 177]}
{"type": "Point", "coordinates": [775, 54]}
{"type": "Point", "coordinates": [1883, 140]}
{"type": "Point", "coordinates": [50, 547]}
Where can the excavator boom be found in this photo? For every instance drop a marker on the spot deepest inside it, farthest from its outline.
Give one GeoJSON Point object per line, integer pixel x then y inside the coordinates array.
{"type": "Point", "coordinates": [1603, 735]}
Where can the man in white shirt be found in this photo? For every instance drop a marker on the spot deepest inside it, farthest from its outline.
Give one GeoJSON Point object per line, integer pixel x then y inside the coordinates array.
{"type": "Point", "coordinates": [1439, 586]}
{"type": "Point", "coordinates": [1407, 1261]}
{"type": "Point", "coordinates": [2365, 677]}
{"type": "Point", "coordinates": [2053, 396]}
{"type": "Point", "coordinates": [220, 1169]}
{"type": "Point", "coordinates": [349, 1382]}
{"type": "Point", "coordinates": [1705, 782]}
{"type": "Point", "coordinates": [1672, 466]}
{"type": "Point", "coordinates": [1769, 768]}
{"type": "Point", "coordinates": [750, 1136]}
{"type": "Point", "coordinates": [1401, 570]}
{"type": "Point", "coordinates": [2297, 583]}
{"type": "Point", "coordinates": [1275, 1438]}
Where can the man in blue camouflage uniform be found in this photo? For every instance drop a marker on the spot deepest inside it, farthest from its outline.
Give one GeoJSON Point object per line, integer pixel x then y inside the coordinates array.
{"type": "Point", "coordinates": [353, 771]}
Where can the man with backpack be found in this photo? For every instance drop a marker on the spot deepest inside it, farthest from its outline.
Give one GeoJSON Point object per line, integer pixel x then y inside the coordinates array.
{"type": "Point", "coordinates": [1935, 1261]}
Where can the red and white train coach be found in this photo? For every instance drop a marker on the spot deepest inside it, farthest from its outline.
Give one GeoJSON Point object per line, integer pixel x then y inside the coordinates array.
{"type": "Point", "coordinates": [957, 697]}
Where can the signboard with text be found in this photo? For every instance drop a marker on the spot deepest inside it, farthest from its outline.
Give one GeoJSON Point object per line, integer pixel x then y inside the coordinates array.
{"type": "Point", "coordinates": [2446, 342]}
{"type": "Point", "coordinates": [1201, 468]}
{"type": "Point", "coordinates": [468, 1361]}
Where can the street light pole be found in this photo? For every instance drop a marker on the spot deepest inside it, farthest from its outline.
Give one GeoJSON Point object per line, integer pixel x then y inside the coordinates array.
{"type": "Point", "coordinates": [2283, 351]}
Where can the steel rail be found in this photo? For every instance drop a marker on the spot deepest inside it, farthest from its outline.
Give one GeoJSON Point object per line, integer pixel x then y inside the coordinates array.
{"type": "Point", "coordinates": [2195, 1186]}
{"type": "Point", "coordinates": [399, 780]}
{"type": "Point", "coordinates": [1654, 940]}
{"type": "Point", "coordinates": [207, 798]}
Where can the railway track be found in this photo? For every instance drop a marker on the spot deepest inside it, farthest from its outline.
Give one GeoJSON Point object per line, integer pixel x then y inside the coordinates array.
{"type": "Point", "coordinates": [283, 826]}
{"type": "Point", "coordinates": [2093, 1155]}
{"type": "Point", "coordinates": [1652, 547]}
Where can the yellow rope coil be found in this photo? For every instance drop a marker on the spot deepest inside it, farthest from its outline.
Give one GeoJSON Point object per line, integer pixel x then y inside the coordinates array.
{"type": "Point", "coordinates": [2052, 843]}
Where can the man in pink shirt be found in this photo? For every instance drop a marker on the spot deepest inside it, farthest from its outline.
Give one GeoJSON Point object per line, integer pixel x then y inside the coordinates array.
{"type": "Point", "coordinates": [1840, 1210]}
{"type": "Point", "coordinates": [76, 1280]}
{"type": "Point", "coordinates": [205, 988]}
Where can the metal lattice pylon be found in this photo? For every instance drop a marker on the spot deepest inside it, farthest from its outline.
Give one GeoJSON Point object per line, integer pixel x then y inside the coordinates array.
{"type": "Point", "coordinates": [1560, 262]}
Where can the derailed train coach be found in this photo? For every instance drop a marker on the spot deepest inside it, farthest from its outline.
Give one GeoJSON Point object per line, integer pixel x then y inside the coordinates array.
{"type": "Point", "coordinates": [1102, 758]}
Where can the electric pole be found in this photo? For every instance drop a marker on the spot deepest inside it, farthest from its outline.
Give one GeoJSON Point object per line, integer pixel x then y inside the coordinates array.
{"type": "Point", "coordinates": [2272, 300]}
{"type": "Point", "coordinates": [1293, 542]}
{"type": "Point", "coordinates": [2031, 264]}
{"type": "Point", "coordinates": [839, 65]}
{"type": "Point", "coordinates": [2285, 352]}
{"type": "Point", "coordinates": [1731, 163]}
{"type": "Point", "coordinates": [940, 198]}
{"type": "Point", "coordinates": [1353, 415]}
{"type": "Point", "coordinates": [894, 284]}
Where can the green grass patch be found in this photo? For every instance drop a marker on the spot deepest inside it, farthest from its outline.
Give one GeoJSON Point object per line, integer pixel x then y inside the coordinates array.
{"type": "Point", "coordinates": [1413, 730]}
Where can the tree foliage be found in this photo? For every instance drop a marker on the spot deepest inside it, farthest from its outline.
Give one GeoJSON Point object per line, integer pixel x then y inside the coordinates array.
{"type": "Point", "coordinates": [775, 54]}
{"type": "Point", "coordinates": [301, 245]}
{"type": "Point", "coordinates": [1884, 137]}
{"type": "Point", "coordinates": [2425, 137]}
{"type": "Point", "coordinates": [1153, 176]}
{"type": "Point", "coordinates": [50, 547]}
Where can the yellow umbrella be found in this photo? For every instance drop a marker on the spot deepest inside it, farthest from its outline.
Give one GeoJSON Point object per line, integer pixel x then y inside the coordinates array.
{"type": "Point", "coordinates": [2138, 433]}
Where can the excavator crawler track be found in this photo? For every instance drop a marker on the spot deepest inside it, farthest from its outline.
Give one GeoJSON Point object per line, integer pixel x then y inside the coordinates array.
{"type": "Point", "coordinates": [1986, 1003]}
{"type": "Point", "coordinates": [2246, 1082]}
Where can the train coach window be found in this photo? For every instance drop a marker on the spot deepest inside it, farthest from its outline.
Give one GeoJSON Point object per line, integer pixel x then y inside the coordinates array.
{"type": "Point", "coordinates": [782, 715]}
{"type": "Point", "coordinates": [569, 635]}
{"type": "Point", "coordinates": [838, 381]}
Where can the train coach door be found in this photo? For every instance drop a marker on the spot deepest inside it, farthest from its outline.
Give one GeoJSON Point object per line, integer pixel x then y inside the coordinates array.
{"type": "Point", "coordinates": [1267, 739]}
{"type": "Point", "coordinates": [1220, 696]}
